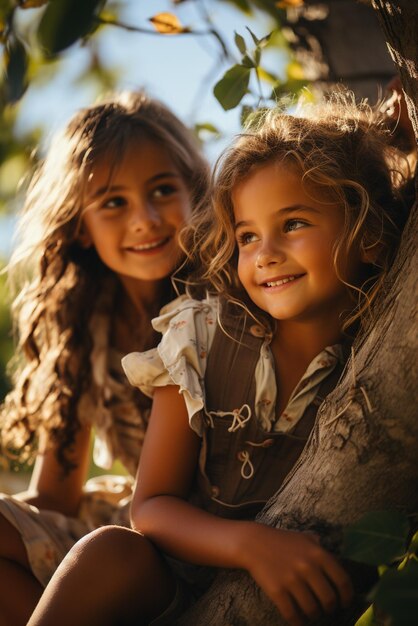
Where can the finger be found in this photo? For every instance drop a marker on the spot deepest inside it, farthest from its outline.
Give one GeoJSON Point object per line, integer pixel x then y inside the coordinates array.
{"type": "Point", "coordinates": [305, 600]}
{"type": "Point", "coordinates": [288, 610]}
{"type": "Point", "coordinates": [324, 592]}
{"type": "Point", "coordinates": [340, 579]}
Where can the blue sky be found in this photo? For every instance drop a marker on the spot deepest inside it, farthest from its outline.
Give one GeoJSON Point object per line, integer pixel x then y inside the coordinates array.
{"type": "Point", "coordinates": [180, 70]}
{"type": "Point", "coordinates": [172, 68]}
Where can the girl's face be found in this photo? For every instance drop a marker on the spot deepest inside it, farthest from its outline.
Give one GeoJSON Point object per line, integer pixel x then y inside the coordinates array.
{"type": "Point", "coordinates": [285, 243]}
{"type": "Point", "coordinates": [132, 215]}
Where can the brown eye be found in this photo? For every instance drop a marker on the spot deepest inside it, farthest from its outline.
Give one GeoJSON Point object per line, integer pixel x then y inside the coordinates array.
{"type": "Point", "coordinates": [246, 238]}
{"type": "Point", "coordinates": [114, 202]}
{"type": "Point", "coordinates": [162, 191]}
{"type": "Point", "coordinates": [294, 224]}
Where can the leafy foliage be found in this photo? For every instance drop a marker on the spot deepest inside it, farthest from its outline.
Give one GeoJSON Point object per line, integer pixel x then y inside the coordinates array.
{"type": "Point", "coordinates": [233, 86]}
{"type": "Point", "coordinates": [66, 21]}
{"type": "Point", "coordinates": [381, 538]}
{"type": "Point", "coordinates": [31, 55]}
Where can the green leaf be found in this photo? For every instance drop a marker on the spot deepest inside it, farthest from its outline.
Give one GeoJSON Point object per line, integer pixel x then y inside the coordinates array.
{"type": "Point", "coordinates": [397, 595]}
{"type": "Point", "coordinates": [65, 21]}
{"type": "Point", "coordinates": [232, 87]}
{"type": "Point", "coordinates": [207, 128]}
{"type": "Point", "coordinates": [257, 56]}
{"type": "Point", "coordinates": [378, 537]}
{"type": "Point", "coordinates": [247, 61]}
{"type": "Point", "coordinates": [6, 8]}
{"type": "Point", "coordinates": [283, 89]}
{"type": "Point", "coordinates": [413, 546]}
{"type": "Point", "coordinates": [367, 619]}
{"type": "Point", "coordinates": [265, 40]}
{"type": "Point", "coordinates": [255, 38]}
{"type": "Point", "coordinates": [240, 43]}
{"type": "Point", "coordinates": [15, 82]}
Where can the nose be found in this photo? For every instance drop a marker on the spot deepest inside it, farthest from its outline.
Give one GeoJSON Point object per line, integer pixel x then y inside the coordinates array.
{"type": "Point", "coordinates": [270, 254]}
{"type": "Point", "coordinates": [144, 216]}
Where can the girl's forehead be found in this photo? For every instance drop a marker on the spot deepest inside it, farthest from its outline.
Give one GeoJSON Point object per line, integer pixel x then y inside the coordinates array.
{"type": "Point", "coordinates": [277, 186]}
{"type": "Point", "coordinates": [144, 153]}
{"type": "Point", "coordinates": [269, 171]}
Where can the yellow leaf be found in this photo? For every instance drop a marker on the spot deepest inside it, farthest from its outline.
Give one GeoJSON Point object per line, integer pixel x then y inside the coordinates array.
{"type": "Point", "coordinates": [167, 24]}
{"type": "Point", "coordinates": [267, 76]}
{"type": "Point", "coordinates": [295, 71]}
{"type": "Point", "coordinates": [288, 4]}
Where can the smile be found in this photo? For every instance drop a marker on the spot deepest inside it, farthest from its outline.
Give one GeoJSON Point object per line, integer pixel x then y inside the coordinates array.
{"type": "Point", "coordinates": [281, 281]}
{"type": "Point", "coordinates": [144, 247]}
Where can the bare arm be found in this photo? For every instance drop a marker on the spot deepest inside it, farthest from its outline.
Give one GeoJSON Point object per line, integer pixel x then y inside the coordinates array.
{"type": "Point", "coordinates": [290, 567]}
{"type": "Point", "coordinates": [49, 487]}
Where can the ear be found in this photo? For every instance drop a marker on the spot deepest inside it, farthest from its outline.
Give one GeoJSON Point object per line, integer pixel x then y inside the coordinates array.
{"type": "Point", "coordinates": [84, 238]}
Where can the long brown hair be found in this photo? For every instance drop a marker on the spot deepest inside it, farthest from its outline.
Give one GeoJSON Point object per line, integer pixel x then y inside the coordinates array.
{"type": "Point", "coordinates": [66, 284]}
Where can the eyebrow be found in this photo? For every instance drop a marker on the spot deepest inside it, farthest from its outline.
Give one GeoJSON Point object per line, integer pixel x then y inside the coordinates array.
{"type": "Point", "coordinates": [115, 188]}
{"type": "Point", "coordinates": [285, 210]}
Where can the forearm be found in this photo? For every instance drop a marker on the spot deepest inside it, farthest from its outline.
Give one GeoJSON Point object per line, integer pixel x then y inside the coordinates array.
{"type": "Point", "coordinates": [190, 534]}
{"type": "Point", "coordinates": [50, 487]}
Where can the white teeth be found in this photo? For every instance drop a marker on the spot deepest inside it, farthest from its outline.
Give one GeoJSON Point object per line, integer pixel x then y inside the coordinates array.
{"type": "Point", "coordinates": [148, 246]}
{"type": "Point", "coordinates": [276, 283]}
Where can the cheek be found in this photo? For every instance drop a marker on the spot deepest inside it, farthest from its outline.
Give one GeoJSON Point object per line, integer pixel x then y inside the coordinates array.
{"type": "Point", "coordinates": [317, 253]}
{"type": "Point", "coordinates": [243, 268]}
{"type": "Point", "coordinates": [180, 215]}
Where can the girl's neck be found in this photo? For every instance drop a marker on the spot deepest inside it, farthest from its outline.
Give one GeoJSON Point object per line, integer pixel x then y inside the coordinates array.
{"type": "Point", "coordinates": [134, 309]}
{"type": "Point", "coordinates": [304, 341]}
{"type": "Point", "coordinates": [141, 297]}
{"type": "Point", "coordinates": [294, 346]}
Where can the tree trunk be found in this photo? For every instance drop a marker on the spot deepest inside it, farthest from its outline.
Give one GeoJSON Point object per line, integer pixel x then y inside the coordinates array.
{"type": "Point", "coordinates": [340, 41]}
{"type": "Point", "coordinates": [362, 454]}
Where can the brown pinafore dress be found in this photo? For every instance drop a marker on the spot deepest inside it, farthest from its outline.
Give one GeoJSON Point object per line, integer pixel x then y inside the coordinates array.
{"type": "Point", "coordinates": [241, 465]}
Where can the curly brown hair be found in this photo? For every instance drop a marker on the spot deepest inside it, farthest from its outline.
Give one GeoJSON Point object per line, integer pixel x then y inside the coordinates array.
{"type": "Point", "coordinates": [66, 284]}
{"type": "Point", "coordinates": [341, 149]}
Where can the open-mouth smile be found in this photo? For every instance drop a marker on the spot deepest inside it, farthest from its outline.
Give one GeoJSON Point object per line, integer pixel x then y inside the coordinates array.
{"type": "Point", "coordinates": [149, 246]}
{"type": "Point", "coordinates": [281, 281]}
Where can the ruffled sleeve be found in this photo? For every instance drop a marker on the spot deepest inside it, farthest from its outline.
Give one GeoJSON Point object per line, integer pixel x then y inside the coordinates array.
{"type": "Point", "coordinates": [187, 327]}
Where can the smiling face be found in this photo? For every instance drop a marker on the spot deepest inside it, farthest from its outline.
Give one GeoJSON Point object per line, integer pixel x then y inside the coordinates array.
{"type": "Point", "coordinates": [134, 211]}
{"type": "Point", "coordinates": [285, 239]}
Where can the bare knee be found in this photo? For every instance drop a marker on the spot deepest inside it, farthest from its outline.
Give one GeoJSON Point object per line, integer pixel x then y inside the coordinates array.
{"type": "Point", "coordinates": [111, 546]}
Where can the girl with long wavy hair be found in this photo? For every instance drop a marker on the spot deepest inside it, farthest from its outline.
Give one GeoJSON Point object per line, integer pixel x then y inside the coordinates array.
{"type": "Point", "coordinates": [98, 243]}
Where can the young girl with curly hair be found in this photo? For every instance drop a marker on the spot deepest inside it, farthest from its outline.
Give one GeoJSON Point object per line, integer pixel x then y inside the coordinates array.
{"type": "Point", "coordinates": [98, 241]}
{"type": "Point", "coordinates": [304, 225]}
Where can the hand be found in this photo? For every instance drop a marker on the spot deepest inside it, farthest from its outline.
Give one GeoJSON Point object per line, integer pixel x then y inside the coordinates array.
{"type": "Point", "coordinates": [296, 573]}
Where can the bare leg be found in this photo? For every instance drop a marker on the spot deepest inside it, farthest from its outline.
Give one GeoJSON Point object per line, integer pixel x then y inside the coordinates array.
{"type": "Point", "coordinates": [19, 596]}
{"type": "Point", "coordinates": [113, 576]}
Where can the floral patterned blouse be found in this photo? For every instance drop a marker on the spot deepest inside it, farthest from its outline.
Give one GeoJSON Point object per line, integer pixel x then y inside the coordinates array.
{"type": "Point", "coordinates": [188, 328]}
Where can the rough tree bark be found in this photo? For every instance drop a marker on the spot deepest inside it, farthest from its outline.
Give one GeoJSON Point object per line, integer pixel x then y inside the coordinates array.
{"type": "Point", "coordinates": [362, 455]}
